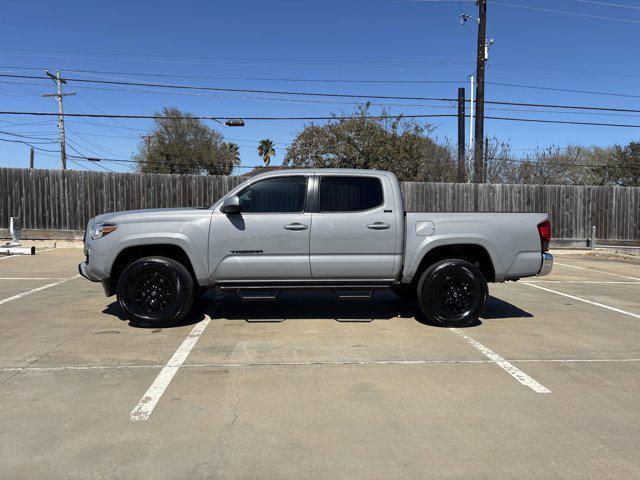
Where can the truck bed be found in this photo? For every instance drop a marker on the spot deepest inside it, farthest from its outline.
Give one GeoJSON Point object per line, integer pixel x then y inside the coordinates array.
{"type": "Point", "coordinates": [510, 239]}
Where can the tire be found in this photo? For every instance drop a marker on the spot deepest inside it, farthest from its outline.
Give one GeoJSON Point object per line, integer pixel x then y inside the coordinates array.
{"type": "Point", "coordinates": [405, 291]}
{"type": "Point", "coordinates": [453, 293]}
{"type": "Point", "coordinates": [155, 291]}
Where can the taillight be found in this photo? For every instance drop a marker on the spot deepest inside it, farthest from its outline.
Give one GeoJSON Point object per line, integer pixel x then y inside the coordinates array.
{"type": "Point", "coordinates": [544, 229]}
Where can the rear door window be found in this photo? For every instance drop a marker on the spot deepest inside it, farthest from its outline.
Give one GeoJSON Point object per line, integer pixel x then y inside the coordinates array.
{"type": "Point", "coordinates": [350, 193]}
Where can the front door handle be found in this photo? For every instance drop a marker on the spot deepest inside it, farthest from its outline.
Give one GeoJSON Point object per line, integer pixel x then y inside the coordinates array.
{"type": "Point", "coordinates": [296, 226]}
{"type": "Point", "coordinates": [378, 226]}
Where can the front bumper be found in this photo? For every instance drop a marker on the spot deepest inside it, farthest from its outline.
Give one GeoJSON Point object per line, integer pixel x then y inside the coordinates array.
{"type": "Point", "coordinates": [547, 264]}
{"type": "Point", "coordinates": [82, 270]}
{"type": "Point", "coordinates": [106, 282]}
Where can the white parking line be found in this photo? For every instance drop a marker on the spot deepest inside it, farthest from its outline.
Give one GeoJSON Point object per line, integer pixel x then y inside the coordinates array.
{"type": "Point", "coordinates": [595, 270]}
{"type": "Point", "coordinates": [591, 302]}
{"type": "Point", "coordinates": [582, 282]}
{"type": "Point", "coordinates": [516, 373]}
{"type": "Point", "coordinates": [313, 363]}
{"type": "Point", "coordinates": [44, 287]}
{"type": "Point", "coordinates": [148, 402]}
{"type": "Point", "coordinates": [32, 278]}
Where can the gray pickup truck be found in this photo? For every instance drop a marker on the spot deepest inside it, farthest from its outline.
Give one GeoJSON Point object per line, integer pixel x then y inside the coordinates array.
{"type": "Point", "coordinates": [342, 230]}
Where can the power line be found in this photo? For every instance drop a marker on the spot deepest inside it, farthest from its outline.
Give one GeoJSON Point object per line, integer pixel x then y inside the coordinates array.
{"type": "Point", "coordinates": [322, 94]}
{"type": "Point", "coordinates": [221, 89]}
{"type": "Point", "coordinates": [13, 134]}
{"type": "Point", "coordinates": [609, 4]}
{"type": "Point", "coordinates": [286, 79]}
{"type": "Point", "coordinates": [563, 122]}
{"type": "Point", "coordinates": [30, 144]}
{"type": "Point", "coordinates": [274, 99]}
{"type": "Point", "coordinates": [310, 118]}
{"type": "Point", "coordinates": [564, 69]}
{"type": "Point", "coordinates": [87, 158]}
{"type": "Point", "coordinates": [197, 117]}
{"type": "Point", "coordinates": [549, 10]}
{"type": "Point", "coordinates": [570, 90]}
{"type": "Point", "coordinates": [183, 57]}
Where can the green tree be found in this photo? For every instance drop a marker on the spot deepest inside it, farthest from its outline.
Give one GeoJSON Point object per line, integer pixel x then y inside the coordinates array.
{"type": "Point", "coordinates": [360, 140]}
{"type": "Point", "coordinates": [179, 143]}
{"type": "Point", "coordinates": [266, 149]}
{"type": "Point", "coordinates": [627, 164]}
{"type": "Point", "coordinates": [233, 151]}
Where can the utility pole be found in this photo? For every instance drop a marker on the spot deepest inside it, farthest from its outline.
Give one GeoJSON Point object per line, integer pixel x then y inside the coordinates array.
{"type": "Point", "coordinates": [482, 48]}
{"type": "Point", "coordinates": [486, 159]}
{"type": "Point", "coordinates": [59, 95]}
{"type": "Point", "coordinates": [31, 155]}
{"type": "Point", "coordinates": [480, 64]}
{"type": "Point", "coordinates": [461, 147]}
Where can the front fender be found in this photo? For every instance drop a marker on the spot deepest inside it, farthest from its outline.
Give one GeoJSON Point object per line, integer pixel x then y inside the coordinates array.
{"type": "Point", "coordinates": [167, 238]}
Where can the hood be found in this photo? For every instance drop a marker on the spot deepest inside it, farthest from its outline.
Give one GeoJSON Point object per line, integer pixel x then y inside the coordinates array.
{"type": "Point", "coordinates": [150, 214]}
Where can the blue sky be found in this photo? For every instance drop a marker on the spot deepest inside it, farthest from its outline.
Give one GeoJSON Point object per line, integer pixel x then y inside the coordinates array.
{"type": "Point", "coordinates": [331, 46]}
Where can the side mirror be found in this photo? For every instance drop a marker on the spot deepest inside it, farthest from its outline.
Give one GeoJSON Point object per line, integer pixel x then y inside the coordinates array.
{"type": "Point", "coordinates": [231, 205]}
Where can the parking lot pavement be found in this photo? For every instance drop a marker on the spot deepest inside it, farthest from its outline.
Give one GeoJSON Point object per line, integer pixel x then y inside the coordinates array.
{"type": "Point", "coordinates": [547, 385]}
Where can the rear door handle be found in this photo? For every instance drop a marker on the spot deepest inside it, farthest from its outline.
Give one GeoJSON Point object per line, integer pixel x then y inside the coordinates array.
{"type": "Point", "coordinates": [296, 226]}
{"type": "Point", "coordinates": [378, 226]}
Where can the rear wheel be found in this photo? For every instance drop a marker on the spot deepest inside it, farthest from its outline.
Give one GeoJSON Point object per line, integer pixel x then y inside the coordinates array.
{"type": "Point", "coordinates": [452, 292]}
{"type": "Point", "coordinates": [155, 291]}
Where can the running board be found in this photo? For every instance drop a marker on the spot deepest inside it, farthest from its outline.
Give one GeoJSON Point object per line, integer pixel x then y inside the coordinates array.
{"type": "Point", "coordinates": [261, 292]}
{"type": "Point", "coordinates": [356, 294]}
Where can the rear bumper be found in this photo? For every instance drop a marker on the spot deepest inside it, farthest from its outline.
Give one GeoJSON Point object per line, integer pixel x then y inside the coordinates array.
{"type": "Point", "coordinates": [547, 264]}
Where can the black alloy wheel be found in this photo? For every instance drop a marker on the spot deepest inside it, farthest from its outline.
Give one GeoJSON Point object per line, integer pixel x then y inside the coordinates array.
{"type": "Point", "coordinates": [452, 292]}
{"type": "Point", "coordinates": [155, 291]}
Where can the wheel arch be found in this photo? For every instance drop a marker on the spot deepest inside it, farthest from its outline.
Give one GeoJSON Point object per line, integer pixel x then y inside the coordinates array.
{"type": "Point", "coordinates": [473, 253]}
{"type": "Point", "coordinates": [132, 253]}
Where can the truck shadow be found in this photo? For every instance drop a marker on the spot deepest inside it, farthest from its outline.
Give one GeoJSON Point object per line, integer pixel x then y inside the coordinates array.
{"type": "Point", "coordinates": [197, 314]}
{"type": "Point", "coordinates": [317, 306]}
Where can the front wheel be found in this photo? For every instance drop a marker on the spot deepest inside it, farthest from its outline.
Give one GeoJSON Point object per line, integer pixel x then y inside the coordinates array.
{"type": "Point", "coordinates": [155, 291]}
{"type": "Point", "coordinates": [452, 292]}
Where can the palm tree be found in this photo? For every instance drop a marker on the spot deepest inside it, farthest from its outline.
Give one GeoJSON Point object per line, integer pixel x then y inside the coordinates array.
{"type": "Point", "coordinates": [234, 152]}
{"type": "Point", "coordinates": [266, 150]}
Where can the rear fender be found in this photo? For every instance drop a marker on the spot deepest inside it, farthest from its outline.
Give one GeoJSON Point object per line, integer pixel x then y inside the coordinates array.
{"type": "Point", "coordinates": [427, 244]}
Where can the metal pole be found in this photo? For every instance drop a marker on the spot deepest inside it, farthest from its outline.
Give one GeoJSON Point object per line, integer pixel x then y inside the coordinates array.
{"type": "Point", "coordinates": [31, 157]}
{"type": "Point", "coordinates": [480, 64]}
{"type": "Point", "coordinates": [592, 246]}
{"type": "Point", "coordinates": [59, 96]}
{"type": "Point", "coordinates": [461, 146]}
{"type": "Point", "coordinates": [472, 81]}
{"type": "Point", "coordinates": [63, 143]}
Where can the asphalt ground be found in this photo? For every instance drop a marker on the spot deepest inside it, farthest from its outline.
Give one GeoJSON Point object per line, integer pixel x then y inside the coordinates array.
{"type": "Point", "coordinates": [546, 386]}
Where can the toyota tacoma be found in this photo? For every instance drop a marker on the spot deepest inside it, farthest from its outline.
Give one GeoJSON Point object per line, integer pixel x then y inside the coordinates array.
{"type": "Point", "coordinates": [336, 229]}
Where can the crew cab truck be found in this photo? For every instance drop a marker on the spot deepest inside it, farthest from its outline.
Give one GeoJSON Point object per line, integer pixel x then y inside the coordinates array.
{"type": "Point", "coordinates": [338, 229]}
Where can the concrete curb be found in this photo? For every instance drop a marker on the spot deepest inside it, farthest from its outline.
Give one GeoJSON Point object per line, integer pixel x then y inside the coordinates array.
{"type": "Point", "coordinates": [599, 254]}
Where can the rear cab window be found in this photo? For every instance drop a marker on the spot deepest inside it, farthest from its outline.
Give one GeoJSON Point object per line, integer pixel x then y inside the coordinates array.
{"type": "Point", "coordinates": [349, 194]}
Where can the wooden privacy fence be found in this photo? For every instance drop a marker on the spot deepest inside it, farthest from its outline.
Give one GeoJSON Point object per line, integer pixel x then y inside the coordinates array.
{"type": "Point", "coordinates": [65, 200]}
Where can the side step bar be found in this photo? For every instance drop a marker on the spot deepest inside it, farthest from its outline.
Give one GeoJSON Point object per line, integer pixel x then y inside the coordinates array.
{"type": "Point", "coordinates": [345, 291]}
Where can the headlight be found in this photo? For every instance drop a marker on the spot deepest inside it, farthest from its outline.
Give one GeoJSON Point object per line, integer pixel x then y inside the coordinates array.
{"type": "Point", "coordinates": [99, 230]}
